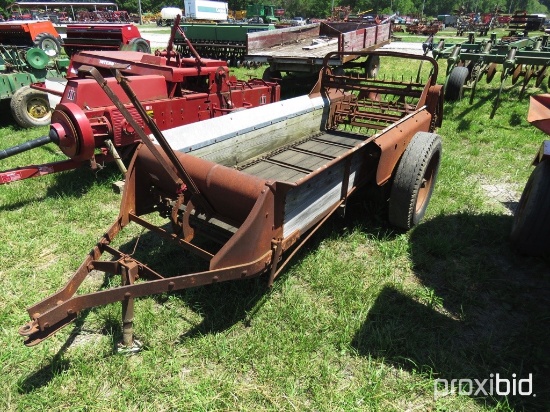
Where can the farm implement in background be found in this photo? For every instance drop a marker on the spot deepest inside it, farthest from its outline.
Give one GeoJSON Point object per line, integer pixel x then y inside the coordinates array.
{"type": "Point", "coordinates": [218, 41]}
{"type": "Point", "coordinates": [174, 91]}
{"type": "Point", "coordinates": [29, 53]}
{"type": "Point", "coordinates": [301, 50]}
{"type": "Point", "coordinates": [96, 36]}
{"type": "Point", "coordinates": [298, 49]}
{"type": "Point", "coordinates": [524, 59]}
{"type": "Point", "coordinates": [39, 34]}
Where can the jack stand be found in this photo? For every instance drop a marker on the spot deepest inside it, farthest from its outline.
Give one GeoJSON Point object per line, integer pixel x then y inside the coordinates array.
{"type": "Point", "coordinates": [129, 345]}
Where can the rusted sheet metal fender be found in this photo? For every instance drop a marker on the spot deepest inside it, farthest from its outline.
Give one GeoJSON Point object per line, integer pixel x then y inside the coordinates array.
{"type": "Point", "coordinates": [394, 141]}
{"type": "Point", "coordinates": [254, 237]}
{"type": "Point", "coordinates": [434, 103]}
{"type": "Point", "coordinates": [239, 198]}
{"type": "Point", "coordinates": [539, 112]}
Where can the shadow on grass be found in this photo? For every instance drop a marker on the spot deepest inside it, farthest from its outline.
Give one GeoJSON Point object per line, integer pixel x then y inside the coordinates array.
{"type": "Point", "coordinates": [6, 120]}
{"type": "Point", "coordinates": [486, 310]}
{"type": "Point", "coordinates": [57, 365]}
{"type": "Point", "coordinates": [483, 104]}
{"type": "Point", "coordinates": [74, 183]}
{"type": "Point", "coordinates": [294, 86]}
{"type": "Point", "coordinates": [71, 183]}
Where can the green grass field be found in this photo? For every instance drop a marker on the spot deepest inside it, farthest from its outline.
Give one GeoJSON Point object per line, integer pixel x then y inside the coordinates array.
{"type": "Point", "coordinates": [364, 319]}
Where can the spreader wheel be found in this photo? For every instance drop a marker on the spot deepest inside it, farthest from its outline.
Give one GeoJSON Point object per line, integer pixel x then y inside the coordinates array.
{"type": "Point", "coordinates": [455, 84]}
{"type": "Point", "coordinates": [30, 107]}
{"type": "Point", "coordinates": [414, 180]}
{"type": "Point", "coordinates": [531, 225]}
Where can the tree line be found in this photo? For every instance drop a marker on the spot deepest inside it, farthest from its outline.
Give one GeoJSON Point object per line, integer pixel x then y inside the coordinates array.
{"type": "Point", "coordinates": [322, 8]}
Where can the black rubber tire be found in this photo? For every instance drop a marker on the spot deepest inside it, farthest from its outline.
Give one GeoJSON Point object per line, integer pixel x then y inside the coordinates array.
{"type": "Point", "coordinates": [69, 51]}
{"type": "Point", "coordinates": [49, 43]}
{"type": "Point", "coordinates": [414, 180]}
{"type": "Point", "coordinates": [30, 107]}
{"type": "Point", "coordinates": [531, 226]}
{"type": "Point", "coordinates": [454, 88]}
{"type": "Point", "coordinates": [271, 76]}
{"type": "Point", "coordinates": [372, 66]}
{"type": "Point", "coordinates": [140, 44]}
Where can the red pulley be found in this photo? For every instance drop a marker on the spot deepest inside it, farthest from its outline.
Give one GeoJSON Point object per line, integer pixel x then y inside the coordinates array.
{"type": "Point", "coordinates": [76, 138]}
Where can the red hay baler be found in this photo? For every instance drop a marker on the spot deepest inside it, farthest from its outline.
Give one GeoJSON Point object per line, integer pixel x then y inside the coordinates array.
{"type": "Point", "coordinates": [173, 91]}
{"type": "Point", "coordinates": [104, 37]}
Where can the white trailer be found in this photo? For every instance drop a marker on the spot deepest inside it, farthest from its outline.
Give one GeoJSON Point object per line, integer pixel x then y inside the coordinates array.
{"type": "Point", "coordinates": [206, 10]}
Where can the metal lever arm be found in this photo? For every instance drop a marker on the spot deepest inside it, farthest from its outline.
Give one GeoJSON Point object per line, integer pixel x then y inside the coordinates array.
{"type": "Point", "coordinates": [175, 170]}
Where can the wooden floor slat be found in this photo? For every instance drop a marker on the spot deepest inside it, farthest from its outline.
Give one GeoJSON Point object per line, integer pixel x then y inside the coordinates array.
{"type": "Point", "coordinates": [348, 141]}
{"type": "Point", "coordinates": [322, 148]}
{"type": "Point", "coordinates": [270, 171]}
{"type": "Point", "coordinates": [299, 159]}
{"type": "Point", "coordinates": [296, 162]}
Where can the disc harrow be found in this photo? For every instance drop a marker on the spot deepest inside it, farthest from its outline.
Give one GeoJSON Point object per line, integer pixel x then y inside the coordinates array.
{"type": "Point", "coordinates": [521, 58]}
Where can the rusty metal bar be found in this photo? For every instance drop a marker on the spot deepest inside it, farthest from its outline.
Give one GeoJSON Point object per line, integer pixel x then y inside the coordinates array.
{"type": "Point", "coordinates": [187, 41]}
{"type": "Point", "coordinates": [170, 236]}
{"type": "Point", "coordinates": [337, 144]}
{"type": "Point", "coordinates": [312, 153]}
{"type": "Point", "coordinates": [129, 118]}
{"type": "Point", "coordinates": [380, 117]}
{"type": "Point", "coordinates": [128, 273]}
{"type": "Point", "coordinates": [48, 322]}
{"type": "Point", "coordinates": [124, 83]}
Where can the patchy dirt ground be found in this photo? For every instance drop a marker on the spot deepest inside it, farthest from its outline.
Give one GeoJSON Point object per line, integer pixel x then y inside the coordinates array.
{"type": "Point", "coordinates": [507, 194]}
{"type": "Point", "coordinates": [152, 34]}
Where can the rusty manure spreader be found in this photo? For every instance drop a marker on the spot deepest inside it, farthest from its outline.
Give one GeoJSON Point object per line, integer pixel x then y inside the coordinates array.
{"type": "Point", "coordinates": [90, 130]}
{"type": "Point", "coordinates": [246, 191]}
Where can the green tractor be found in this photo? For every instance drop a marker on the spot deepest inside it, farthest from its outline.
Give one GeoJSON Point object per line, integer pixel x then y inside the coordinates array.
{"type": "Point", "coordinates": [262, 13]}
{"type": "Point", "coordinates": [29, 53]}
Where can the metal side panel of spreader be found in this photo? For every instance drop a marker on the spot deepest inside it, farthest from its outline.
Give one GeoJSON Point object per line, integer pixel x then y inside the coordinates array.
{"type": "Point", "coordinates": [219, 139]}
